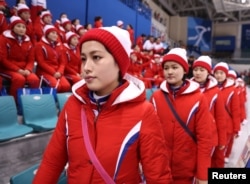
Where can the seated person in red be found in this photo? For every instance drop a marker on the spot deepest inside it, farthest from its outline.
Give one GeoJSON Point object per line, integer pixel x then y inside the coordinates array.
{"type": "Point", "coordinates": [23, 12]}
{"type": "Point", "coordinates": [154, 71]}
{"type": "Point", "coordinates": [73, 58]}
{"type": "Point", "coordinates": [50, 60]}
{"type": "Point", "coordinates": [136, 69]}
{"type": "Point", "coordinates": [17, 54]}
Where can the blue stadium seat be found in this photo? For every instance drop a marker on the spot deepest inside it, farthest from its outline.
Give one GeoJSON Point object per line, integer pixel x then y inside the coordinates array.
{"type": "Point", "coordinates": [9, 126]}
{"type": "Point", "coordinates": [39, 111]}
{"type": "Point", "coordinates": [27, 176]}
{"type": "Point", "coordinates": [62, 98]}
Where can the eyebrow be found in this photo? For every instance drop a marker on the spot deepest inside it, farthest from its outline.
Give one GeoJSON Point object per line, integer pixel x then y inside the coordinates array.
{"type": "Point", "coordinates": [92, 52]}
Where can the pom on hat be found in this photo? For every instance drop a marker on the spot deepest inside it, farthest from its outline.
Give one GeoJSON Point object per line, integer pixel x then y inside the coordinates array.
{"type": "Point", "coordinates": [205, 62]}
{"type": "Point", "coordinates": [69, 35]}
{"type": "Point", "coordinates": [178, 55]}
{"type": "Point", "coordinates": [48, 28]}
{"type": "Point", "coordinates": [221, 66]}
{"type": "Point", "coordinates": [65, 21]}
{"type": "Point", "coordinates": [117, 42]}
{"type": "Point", "coordinates": [232, 74]}
{"type": "Point", "coordinates": [119, 23]}
{"type": "Point", "coordinates": [15, 20]}
{"type": "Point", "coordinates": [22, 8]}
{"type": "Point", "coordinates": [45, 13]}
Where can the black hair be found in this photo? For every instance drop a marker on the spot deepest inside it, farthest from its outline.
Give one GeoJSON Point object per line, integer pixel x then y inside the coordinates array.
{"type": "Point", "coordinates": [130, 26]}
{"type": "Point", "coordinates": [98, 18]}
{"type": "Point", "coordinates": [40, 12]}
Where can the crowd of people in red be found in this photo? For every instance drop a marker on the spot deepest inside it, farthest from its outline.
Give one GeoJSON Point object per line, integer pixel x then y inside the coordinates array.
{"type": "Point", "coordinates": [26, 41]}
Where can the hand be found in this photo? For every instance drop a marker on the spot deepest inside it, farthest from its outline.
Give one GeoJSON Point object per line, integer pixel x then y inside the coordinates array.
{"type": "Point", "coordinates": [221, 147]}
{"type": "Point", "coordinates": [27, 72]}
{"type": "Point", "coordinates": [57, 75]}
{"type": "Point", "coordinates": [201, 181]}
{"type": "Point", "coordinates": [21, 71]}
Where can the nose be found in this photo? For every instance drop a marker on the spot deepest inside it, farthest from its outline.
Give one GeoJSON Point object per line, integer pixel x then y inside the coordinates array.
{"type": "Point", "coordinates": [86, 66]}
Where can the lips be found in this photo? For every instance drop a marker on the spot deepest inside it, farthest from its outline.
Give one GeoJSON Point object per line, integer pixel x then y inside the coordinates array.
{"type": "Point", "coordinates": [89, 78]}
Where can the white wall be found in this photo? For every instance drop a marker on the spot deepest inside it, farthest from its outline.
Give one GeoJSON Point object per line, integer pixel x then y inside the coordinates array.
{"type": "Point", "coordinates": [161, 27]}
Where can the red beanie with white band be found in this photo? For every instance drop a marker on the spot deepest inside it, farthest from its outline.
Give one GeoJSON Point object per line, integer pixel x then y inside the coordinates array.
{"type": "Point", "coordinates": [117, 42]}
{"type": "Point", "coordinates": [221, 66]}
{"type": "Point", "coordinates": [205, 62]}
{"type": "Point", "coordinates": [178, 55]}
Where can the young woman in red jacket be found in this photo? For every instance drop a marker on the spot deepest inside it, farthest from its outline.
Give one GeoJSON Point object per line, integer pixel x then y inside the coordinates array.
{"type": "Point", "coordinates": [17, 56]}
{"type": "Point", "coordinates": [109, 115]}
{"type": "Point", "coordinates": [230, 103]}
{"type": "Point", "coordinates": [202, 69]}
{"type": "Point", "coordinates": [189, 139]}
{"type": "Point", "coordinates": [51, 61]}
{"type": "Point", "coordinates": [73, 59]}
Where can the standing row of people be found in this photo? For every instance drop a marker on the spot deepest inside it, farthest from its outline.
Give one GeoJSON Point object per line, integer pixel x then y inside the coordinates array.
{"type": "Point", "coordinates": [107, 128]}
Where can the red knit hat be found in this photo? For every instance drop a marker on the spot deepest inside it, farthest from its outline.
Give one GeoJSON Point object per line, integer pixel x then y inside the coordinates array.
{"type": "Point", "coordinates": [178, 55]}
{"type": "Point", "coordinates": [45, 13]}
{"type": "Point", "coordinates": [48, 28]}
{"type": "Point", "coordinates": [69, 35]}
{"type": "Point", "coordinates": [65, 21]}
{"type": "Point", "coordinates": [117, 42]}
{"type": "Point", "coordinates": [15, 20]}
{"type": "Point", "coordinates": [232, 74]}
{"type": "Point", "coordinates": [221, 66]}
{"type": "Point", "coordinates": [22, 8]}
{"type": "Point", "coordinates": [205, 62]}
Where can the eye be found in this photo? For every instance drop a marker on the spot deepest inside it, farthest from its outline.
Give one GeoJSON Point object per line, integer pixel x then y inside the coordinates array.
{"type": "Point", "coordinates": [83, 58]}
{"type": "Point", "coordinates": [96, 57]}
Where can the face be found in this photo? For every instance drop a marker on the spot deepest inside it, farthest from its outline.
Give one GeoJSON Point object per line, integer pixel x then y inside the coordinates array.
{"type": "Point", "coordinates": [220, 75]}
{"type": "Point", "coordinates": [74, 41]}
{"type": "Point", "coordinates": [19, 29]}
{"type": "Point", "coordinates": [89, 27]}
{"type": "Point", "coordinates": [52, 36]}
{"type": "Point", "coordinates": [100, 70]}
{"type": "Point", "coordinates": [200, 74]}
{"type": "Point", "coordinates": [25, 15]}
{"type": "Point", "coordinates": [81, 32]}
{"type": "Point", "coordinates": [47, 19]}
{"type": "Point", "coordinates": [68, 27]}
{"type": "Point", "coordinates": [22, 1]}
{"type": "Point", "coordinates": [133, 57]}
{"type": "Point", "coordinates": [173, 73]}
{"type": "Point", "coordinates": [157, 60]}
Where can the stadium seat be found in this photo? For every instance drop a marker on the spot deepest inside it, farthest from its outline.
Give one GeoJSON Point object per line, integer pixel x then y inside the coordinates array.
{"type": "Point", "coordinates": [9, 126]}
{"type": "Point", "coordinates": [39, 111]}
{"type": "Point", "coordinates": [62, 98]}
{"type": "Point", "coordinates": [27, 176]}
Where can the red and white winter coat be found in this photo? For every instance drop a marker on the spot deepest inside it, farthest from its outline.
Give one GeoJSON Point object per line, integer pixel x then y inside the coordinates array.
{"type": "Point", "coordinates": [16, 55]}
{"type": "Point", "coordinates": [73, 60]}
{"type": "Point", "coordinates": [217, 109]}
{"type": "Point", "coordinates": [49, 58]}
{"type": "Point", "coordinates": [125, 131]}
{"type": "Point", "coordinates": [232, 106]}
{"type": "Point", "coordinates": [188, 158]}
